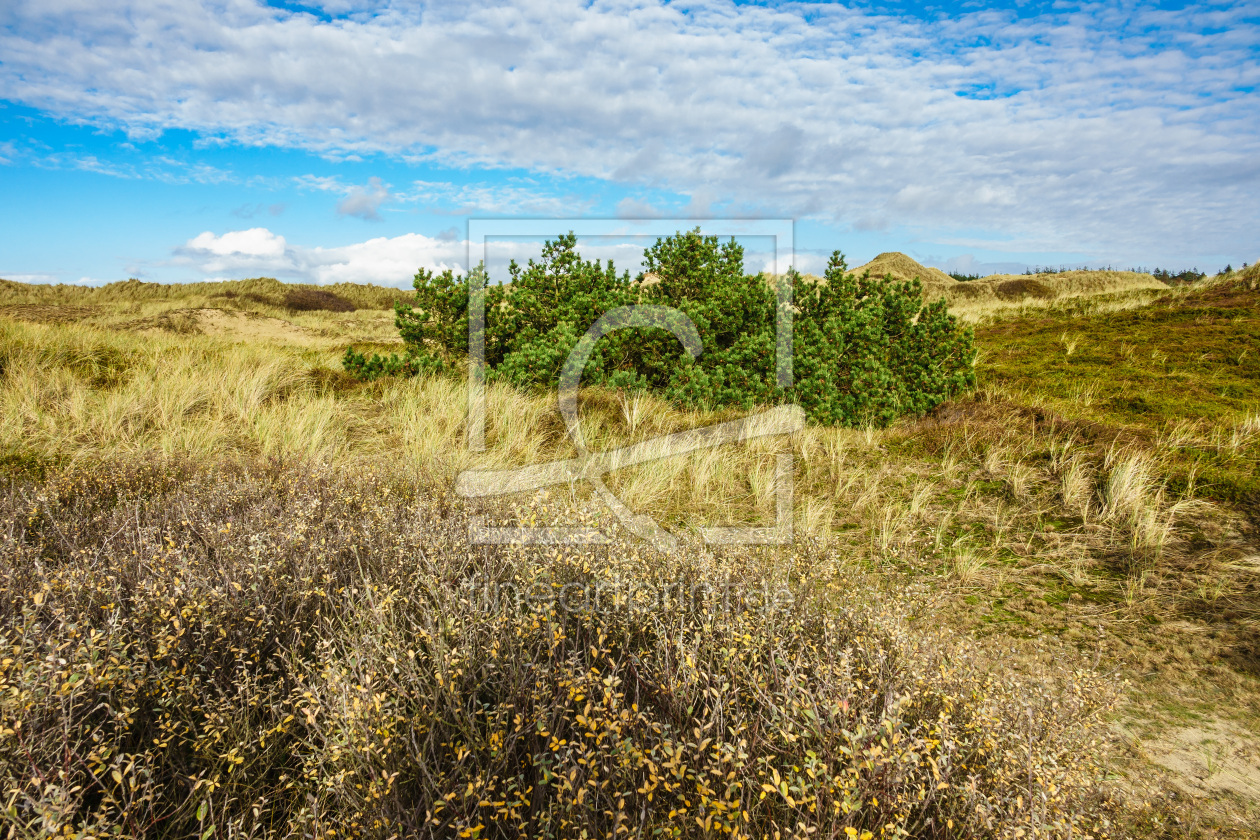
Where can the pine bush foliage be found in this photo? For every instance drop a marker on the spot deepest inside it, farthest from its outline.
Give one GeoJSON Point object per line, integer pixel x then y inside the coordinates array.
{"type": "Point", "coordinates": [865, 350]}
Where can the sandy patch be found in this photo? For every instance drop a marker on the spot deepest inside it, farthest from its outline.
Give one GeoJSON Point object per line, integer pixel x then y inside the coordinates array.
{"type": "Point", "coordinates": [236, 325]}
{"type": "Point", "coordinates": [1210, 758]}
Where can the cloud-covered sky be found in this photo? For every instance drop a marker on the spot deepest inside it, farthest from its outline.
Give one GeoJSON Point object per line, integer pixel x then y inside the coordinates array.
{"type": "Point", "coordinates": [180, 139]}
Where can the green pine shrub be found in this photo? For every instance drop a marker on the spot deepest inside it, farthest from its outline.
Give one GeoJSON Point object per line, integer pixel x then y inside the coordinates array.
{"type": "Point", "coordinates": [865, 350]}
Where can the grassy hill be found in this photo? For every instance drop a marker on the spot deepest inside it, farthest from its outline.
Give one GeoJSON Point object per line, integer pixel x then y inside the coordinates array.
{"type": "Point", "coordinates": [262, 291]}
{"type": "Point", "coordinates": [900, 267]}
{"type": "Point", "coordinates": [976, 298]}
{"type": "Point", "coordinates": [1044, 596]}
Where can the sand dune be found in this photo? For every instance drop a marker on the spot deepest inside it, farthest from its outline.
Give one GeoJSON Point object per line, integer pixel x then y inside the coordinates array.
{"type": "Point", "coordinates": [1007, 288]}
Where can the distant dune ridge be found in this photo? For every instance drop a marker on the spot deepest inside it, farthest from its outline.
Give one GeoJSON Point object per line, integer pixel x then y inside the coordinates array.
{"type": "Point", "coordinates": [297, 297]}
{"type": "Point", "coordinates": [66, 302]}
{"type": "Point", "coordinates": [1006, 288]}
{"type": "Point", "coordinates": [261, 309]}
{"type": "Point", "coordinates": [1017, 287]}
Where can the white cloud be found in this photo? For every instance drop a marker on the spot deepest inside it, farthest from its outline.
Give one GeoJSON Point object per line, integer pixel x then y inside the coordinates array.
{"type": "Point", "coordinates": [255, 243]}
{"type": "Point", "coordinates": [1096, 129]}
{"type": "Point", "coordinates": [251, 253]}
{"type": "Point", "coordinates": [243, 253]}
{"type": "Point", "coordinates": [390, 261]}
{"type": "Point", "coordinates": [258, 252]}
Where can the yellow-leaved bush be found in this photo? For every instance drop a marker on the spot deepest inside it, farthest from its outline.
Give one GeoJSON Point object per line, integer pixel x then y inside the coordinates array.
{"type": "Point", "coordinates": [276, 650]}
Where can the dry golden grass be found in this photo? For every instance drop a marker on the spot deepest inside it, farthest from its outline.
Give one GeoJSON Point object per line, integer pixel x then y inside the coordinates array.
{"type": "Point", "coordinates": [80, 393]}
{"type": "Point", "coordinates": [259, 291]}
{"type": "Point", "coordinates": [1046, 530]}
{"type": "Point", "coordinates": [979, 299]}
{"type": "Point", "coordinates": [246, 310]}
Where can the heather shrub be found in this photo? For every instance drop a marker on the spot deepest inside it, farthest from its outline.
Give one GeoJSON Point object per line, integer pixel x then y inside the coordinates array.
{"type": "Point", "coordinates": [313, 300]}
{"type": "Point", "coordinates": [865, 350]}
{"type": "Point", "coordinates": [276, 651]}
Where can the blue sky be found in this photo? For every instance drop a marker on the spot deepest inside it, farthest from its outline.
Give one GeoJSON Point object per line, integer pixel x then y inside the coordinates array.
{"type": "Point", "coordinates": [352, 140]}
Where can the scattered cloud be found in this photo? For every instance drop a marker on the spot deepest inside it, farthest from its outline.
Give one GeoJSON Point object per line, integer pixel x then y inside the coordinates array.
{"type": "Point", "coordinates": [163, 168]}
{"type": "Point", "coordinates": [90, 163]}
{"type": "Point", "coordinates": [323, 183]}
{"type": "Point", "coordinates": [1092, 129]}
{"type": "Point", "coordinates": [700, 206]}
{"type": "Point", "coordinates": [172, 171]}
{"type": "Point", "coordinates": [633, 208]}
{"type": "Point", "coordinates": [364, 202]}
{"type": "Point", "coordinates": [516, 199]}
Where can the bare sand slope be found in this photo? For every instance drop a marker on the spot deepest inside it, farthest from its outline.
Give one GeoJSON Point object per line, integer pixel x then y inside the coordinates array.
{"type": "Point", "coordinates": [231, 324]}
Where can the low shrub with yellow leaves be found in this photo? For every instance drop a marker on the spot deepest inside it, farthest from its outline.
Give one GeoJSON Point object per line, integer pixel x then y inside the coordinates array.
{"type": "Point", "coordinates": [273, 650]}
